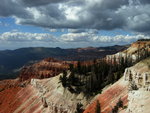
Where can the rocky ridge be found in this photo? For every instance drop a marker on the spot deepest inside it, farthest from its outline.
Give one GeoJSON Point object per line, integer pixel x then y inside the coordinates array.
{"type": "Point", "coordinates": [136, 48]}
{"type": "Point", "coordinates": [46, 68]}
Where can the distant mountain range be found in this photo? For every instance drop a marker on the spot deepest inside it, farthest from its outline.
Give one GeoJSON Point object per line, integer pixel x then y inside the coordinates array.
{"type": "Point", "coordinates": [11, 61]}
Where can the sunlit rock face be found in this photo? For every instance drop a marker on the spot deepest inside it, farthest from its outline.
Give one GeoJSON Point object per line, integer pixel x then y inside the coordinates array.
{"type": "Point", "coordinates": [132, 51]}
{"type": "Point", "coordinates": [40, 96]}
{"type": "Point", "coordinates": [139, 75]}
{"type": "Point", "coordinates": [133, 89]}
{"type": "Point", "coordinates": [139, 101]}
{"type": "Point", "coordinates": [110, 97]}
{"type": "Point", "coordinates": [17, 99]}
{"type": "Point", "coordinates": [138, 78]}
{"type": "Point", "coordinates": [56, 97]}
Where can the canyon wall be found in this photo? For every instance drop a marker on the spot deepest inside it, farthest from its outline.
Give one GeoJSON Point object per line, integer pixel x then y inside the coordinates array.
{"type": "Point", "coordinates": [133, 89]}
{"type": "Point", "coordinates": [138, 78]}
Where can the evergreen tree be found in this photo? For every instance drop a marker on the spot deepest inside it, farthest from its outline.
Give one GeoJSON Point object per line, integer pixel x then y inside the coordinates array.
{"type": "Point", "coordinates": [98, 107]}
{"type": "Point", "coordinates": [63, 78]}
{"type": "Point", "coordinates": [79, 108]}
{"type": "Point", "coordinates": [71, 67]}
{"type": "Point", "coordinates": [72, 78]}
{"type": "Point", "coordinates": [120, 103]}
{"type": "Point", "coordinates": [79, 67]}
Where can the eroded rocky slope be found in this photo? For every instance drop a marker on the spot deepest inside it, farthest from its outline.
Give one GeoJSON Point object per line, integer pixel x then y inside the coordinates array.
{"type": "Point", "coordinates": [138, 77]}
{"type": "Point", "coordinates": [135, 51]}
{"type": "Point", "coordinates": [56, 97]}
{"type": "Point", "coordinates": [40, 96]}
{"type": "Point", "coordinates": [110, 97]}
{"type": "Point", "coordinates": [49, 96]}
{"type": "Point", "coordinates": [133, 89]}
{"type": "Point", "coordinates": [46, 68]}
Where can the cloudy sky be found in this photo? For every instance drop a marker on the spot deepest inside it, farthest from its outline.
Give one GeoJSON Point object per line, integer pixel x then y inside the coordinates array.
{"type": "Point", "coordinates": [72, 23]}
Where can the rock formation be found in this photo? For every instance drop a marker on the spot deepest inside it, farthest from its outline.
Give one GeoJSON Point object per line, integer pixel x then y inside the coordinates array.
{"type": "Point", "coordinates": [57, 98]}
{"type": "Point", "coordinates": [46, 68]}
{"type": "Point", "coordinates": [138, 78]}
{"type": "Point", "coordinates": [136, 50]}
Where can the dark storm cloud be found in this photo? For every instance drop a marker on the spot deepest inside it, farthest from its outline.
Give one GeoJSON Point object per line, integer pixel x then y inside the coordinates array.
{"type": "Point", "coordinates": [137, 18]}
{"type": "Point", "coordinates": [145, 1]}
{"type": "Point", "coordinates": [90, 31]}
{"type": "Point", "coordinates": [40, 2]}
{"type": "Point", "coordinates": [11, 8]}
{"type": "Point", "coordinates": [113, 4]}
{"type": "Point", "coordinates": [130, 15]}
{"type": "Point", "coordinates": [99, 15]}
{"type": "Point", "coordinates": [76, 30]}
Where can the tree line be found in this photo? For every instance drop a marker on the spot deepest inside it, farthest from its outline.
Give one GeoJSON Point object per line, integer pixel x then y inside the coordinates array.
{"type": "Point", "coordinates": [91, 79]}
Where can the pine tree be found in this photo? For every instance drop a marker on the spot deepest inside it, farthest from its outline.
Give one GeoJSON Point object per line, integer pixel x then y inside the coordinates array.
{"type": "Point", "coordinates": [72, 78]}
{"type": "Point", "coordinates": [71, 67]}
{"type": "Point", "coordinates": [79, 67]}
{"type": "Point", "coordinates": [120, 103]}
{"type": "Point", "coordinates": [98, 107]}
{"type": "Point", "coordinates": [63, 79]}
{"type": "Point", "coordinates": [79, 108]}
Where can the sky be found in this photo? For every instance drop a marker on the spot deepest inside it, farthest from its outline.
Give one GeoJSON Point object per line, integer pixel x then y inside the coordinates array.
{"type": "Point", "coordinates": [72, 23]}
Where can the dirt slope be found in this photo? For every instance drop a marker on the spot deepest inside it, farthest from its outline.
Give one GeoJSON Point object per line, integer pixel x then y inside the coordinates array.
{"type": "Point", "coordinates": [110, 97]}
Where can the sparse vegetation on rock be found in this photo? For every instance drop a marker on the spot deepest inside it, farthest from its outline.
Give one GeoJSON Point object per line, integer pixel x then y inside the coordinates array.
{"type": "Point", "coordinates": [117, 106]}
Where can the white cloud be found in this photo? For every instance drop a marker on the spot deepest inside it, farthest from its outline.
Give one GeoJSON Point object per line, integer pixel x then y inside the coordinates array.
{"type": "Point", "coordinates": [75, 37]}
{"type": "Point", "coordinates": [106, 40]}
{"type": "Point", "coordinates": [53, 30]}
{"type": "Point", "coordinates": [15, 39]}
{"type": "Point", "coordinates": [26, 37]}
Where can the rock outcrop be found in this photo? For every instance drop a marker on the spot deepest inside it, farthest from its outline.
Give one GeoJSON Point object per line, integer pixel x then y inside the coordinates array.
{"type": "Point", "coordinates": [137, 49]}
{"type": "Point", "coordinates": [138, 78]}
{"type": "Point", "coordinates": [56, 98]}
{"type": "Point", "coordinates": [40, 96]}
{"type": "Point", "coordinates": [133, 88]}
{"type": "Point", "coordinates": [46, 68]}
